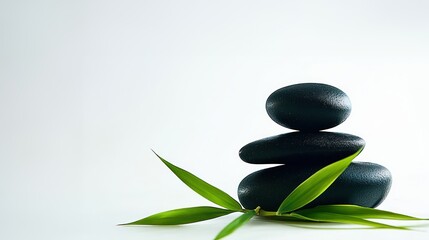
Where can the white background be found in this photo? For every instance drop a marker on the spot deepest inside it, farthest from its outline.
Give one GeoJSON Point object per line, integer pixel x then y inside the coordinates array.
{"type": "Point", "coordinates": [88, 87]}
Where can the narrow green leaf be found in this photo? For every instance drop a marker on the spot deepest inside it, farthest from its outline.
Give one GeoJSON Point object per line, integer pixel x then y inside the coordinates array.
{"type": "Point", "coordinates": [339, 218]}
{"type": "Point", "coordinates": [201, 187]}
{"type": "Point", "coordinates": [303, 217]}
{"type": "Point", "coordinates": [273, 216]}
{"type": "Point", "coordinates": [358, 211]}
{"type": "Point", "coordinates": [315, 185]}
{"type": "Point", "coordinates": [287, 218]}
{"type": "Point", "coordinates": [235, 224]}
{"type": "Point", "coordinates": [182, 216]}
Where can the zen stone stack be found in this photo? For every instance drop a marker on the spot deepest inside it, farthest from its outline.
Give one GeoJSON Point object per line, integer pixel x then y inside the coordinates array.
{"type": "Point", "coordinates": [309, 108]}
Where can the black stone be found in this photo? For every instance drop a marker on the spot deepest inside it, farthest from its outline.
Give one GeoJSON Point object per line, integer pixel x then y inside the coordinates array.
{"type": "Point", "coordinates": [362, 183]}
{"type": "Point", "coordinates": [305, 147]}
{"type": "Point", "coordinates": [308, 106]}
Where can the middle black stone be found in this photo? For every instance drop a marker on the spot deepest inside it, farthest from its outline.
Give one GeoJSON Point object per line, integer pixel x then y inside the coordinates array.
{"type": "Point", "coordinates": [309, 147]}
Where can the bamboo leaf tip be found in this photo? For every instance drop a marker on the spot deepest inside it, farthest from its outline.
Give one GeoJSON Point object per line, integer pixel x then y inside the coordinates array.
{"type": "Point", "coordinates": [155, 153]}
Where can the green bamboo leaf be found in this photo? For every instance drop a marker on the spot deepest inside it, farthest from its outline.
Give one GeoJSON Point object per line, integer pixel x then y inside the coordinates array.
{"type": "Point", "coordinates": [358, 211]}
{"type": "Point", "coordinates": [339, 218]}
{"type": "Point", "coordinates": [315, 185]}
{"type": "Point", "coordinates": [273, 216]}
{"type": "Point", "coordinates": [287, 218]}
{"type": "Point", "coordinates": [182, 216]}
{"type": "Point", "coordinates": [235, 224]}
{"type": "Point", "coordinates": [201, 187]}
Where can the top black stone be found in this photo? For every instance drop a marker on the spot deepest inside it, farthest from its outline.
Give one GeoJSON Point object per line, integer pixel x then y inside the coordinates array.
{"type": "Point", "coordinates": [308, 106]}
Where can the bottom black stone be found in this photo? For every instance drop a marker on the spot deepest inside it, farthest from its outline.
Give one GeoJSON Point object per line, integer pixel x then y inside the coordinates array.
{"type": "Point", "coordinates": [362, 183]}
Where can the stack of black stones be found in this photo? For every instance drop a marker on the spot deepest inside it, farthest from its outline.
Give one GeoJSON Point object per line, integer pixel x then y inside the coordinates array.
{"type": "Point", "coordinates": [309, 108]}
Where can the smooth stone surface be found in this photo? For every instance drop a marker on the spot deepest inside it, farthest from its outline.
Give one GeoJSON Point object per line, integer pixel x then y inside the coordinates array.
{"type": "Point", "coordinates": [308, 106]}
{"type": "Point", "coordinates": [362, 183]}
{"type": "Point", "coordinates": [306, 147]}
